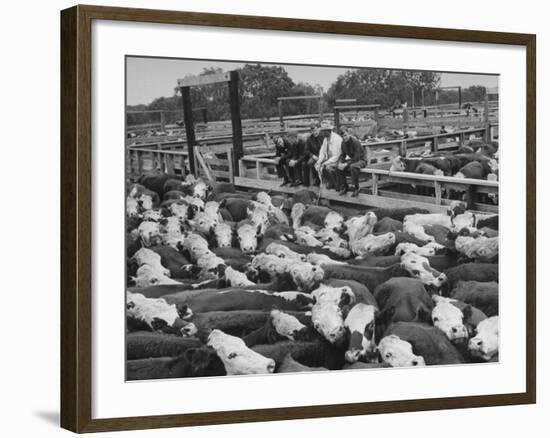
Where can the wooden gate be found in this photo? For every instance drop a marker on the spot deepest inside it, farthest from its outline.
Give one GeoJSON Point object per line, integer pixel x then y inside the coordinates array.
{"type": "Point", "coordinates": [215, 163]}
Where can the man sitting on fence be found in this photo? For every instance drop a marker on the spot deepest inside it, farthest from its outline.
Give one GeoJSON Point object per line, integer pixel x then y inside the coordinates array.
{"type": "Point", "coordinates": [288, 159]}
{"type": "Point", "coordinates": [352, 159]}
{"type": "Point", "coordinates": [329, 156]}
{"type": "Point", "coordinates": [311, 154]}
{"type": "Point", "coordinates": [296, 157]}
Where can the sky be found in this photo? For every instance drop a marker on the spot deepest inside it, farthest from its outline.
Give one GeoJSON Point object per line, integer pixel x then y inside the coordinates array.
{"type": "Point", "coordinates": [149, 78]}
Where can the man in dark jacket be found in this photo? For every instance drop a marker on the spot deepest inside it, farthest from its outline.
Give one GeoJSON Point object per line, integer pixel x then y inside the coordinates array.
{"type": "Point", "coordinates": [352, 159]}
{"type": "Point", "coordinates": [282, 146]}
{"type": "Point", "coordinates": [289, 155]}
{"type": "Point", "coordinates": [296, 158]}
{"type": "Point", "coordinates": [311, 154]}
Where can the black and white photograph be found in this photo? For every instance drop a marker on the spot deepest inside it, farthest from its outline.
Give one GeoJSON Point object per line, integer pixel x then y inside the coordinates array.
{"type": "Point", "coordinates": [285, 218]}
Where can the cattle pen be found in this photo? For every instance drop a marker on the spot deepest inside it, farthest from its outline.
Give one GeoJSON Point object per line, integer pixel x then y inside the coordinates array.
{"type": "Point", "coordinates": [242, 151]}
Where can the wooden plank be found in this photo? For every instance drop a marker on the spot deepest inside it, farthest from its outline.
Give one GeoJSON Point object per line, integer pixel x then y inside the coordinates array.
{"type": "Point", "coordinates": [192, 81]}
{"type": "Point", "coordinates": [363, 199]}
{"type": "Point", "coordinates": [204, 166]}
{"type": "Point", "coordinates": [316, 96]}
{"type": "Point", "coordinates": [354, 107]}
{"type": "Point", "coordinates": [440, 178]}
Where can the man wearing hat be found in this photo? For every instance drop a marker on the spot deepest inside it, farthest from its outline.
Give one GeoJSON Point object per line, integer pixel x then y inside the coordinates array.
{"type": "Point", "coordinates": [352, 159]}
{"type": "Point", "coordinates": [329, 155]}
{"type": "Point", "coordinates": [311, 154]}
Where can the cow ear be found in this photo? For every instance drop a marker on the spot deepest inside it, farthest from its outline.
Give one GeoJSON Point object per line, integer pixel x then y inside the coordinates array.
{"type": "Point", "coordinates": [259, 230]}
{"type": "Point", "coordinates": [467, 312]}
{"type": "Point", "coordinates": [423, 315]}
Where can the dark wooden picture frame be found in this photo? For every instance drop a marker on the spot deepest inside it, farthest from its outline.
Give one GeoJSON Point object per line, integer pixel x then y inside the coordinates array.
{"type": "Point", "coordinates": [76, 217]}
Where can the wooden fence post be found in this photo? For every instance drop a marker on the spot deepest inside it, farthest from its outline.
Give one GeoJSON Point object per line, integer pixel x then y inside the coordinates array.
{"type": "Point", "coordinates": [189, 126]}
{"type": "Point", "coordinates": [486, 118]}
{"type": "Point", "coordinates": [236, 124]}
{"type": "Point", "coordinates": [375, 184]}
{"type": "Point", "coordinates": [281, 120]}
{"type": "Point", "coordinates": [337, 120]}
{"type": "Point", "coordinates": [403, 148]}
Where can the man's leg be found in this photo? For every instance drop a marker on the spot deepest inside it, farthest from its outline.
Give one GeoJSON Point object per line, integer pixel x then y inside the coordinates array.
{"type": "Point", "coordinates": [296, 174]}
{"type": "Point", "coordinates": [342, 184]}
{"type": "Point", "coordinates": [330, 172]}
{"type": "Point", "coordinates": [282, 172]}
{"type": "Point", "coordinates": [305, 173]}
{"type": "Point", "coordinates": [355, 170]}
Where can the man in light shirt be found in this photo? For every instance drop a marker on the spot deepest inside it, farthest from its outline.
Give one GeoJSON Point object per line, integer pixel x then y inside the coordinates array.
{"type": "Point", "coordinates": [329, 155]}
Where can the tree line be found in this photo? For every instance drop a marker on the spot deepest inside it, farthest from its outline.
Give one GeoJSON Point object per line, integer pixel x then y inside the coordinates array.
{"type": "Point", "coordinates": [260, 85]}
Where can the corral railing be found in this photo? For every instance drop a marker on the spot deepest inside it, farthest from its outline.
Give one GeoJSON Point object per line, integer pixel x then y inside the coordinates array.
{"type": "Point", "coordinates": [258, 171]}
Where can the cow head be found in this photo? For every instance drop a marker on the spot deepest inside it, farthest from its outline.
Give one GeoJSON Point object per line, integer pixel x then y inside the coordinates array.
{"type": "Point", "coordinates": [247, 235]}
{"type": "Point", "coordinates": [484, 344]}
{"type": "Point", "coordinates": [286, 325]}
{"type": "Point", "coordinates": [360, 226]}
{"type": "Point", "coordinates": [189, 330]}
{"type": "Point", "coordinates": [179, 210]}
{"type": "Point", "coordinates": [132, 207]}
{"type": "Point", "coordinates": [450, 319]}
{"type": "Point", "coordinates": [342, 296]}
{"type": "Point", "coordinates": [263, 198]}
{"type": "Point", "coordinates": [154, 215]}
{"type": "Point", "coordinates": [328, 321]}
{"type": "Point", "coordinates": [330, 237]}
{"type": "Point", "coordinates": [147, 275]}
{"type": "Point", "coordinates": [334, 221]}
{"type": "Point", "coordinates": [298, 210]}
{"type": "Point", "coordinates": [224, 234]}
{"type": "Point", "coordinates": [305, 236]}
{"type": "Point", "coordinates": [236, 278]}
{"type": "Point", "coordinates": [360, 325]}
{"type": "Point", "coordinates": [150, 233]}
{"type": "Point", "coordinates": [373, 245]}
{"type": "Point", "coordinates": [237, 357]}
{"type": "Point", "coordinates": [200, 189]}
{"type": "Point", "coordinates": [204, 223]}
{"type": "Point", "coordinates": [270, 264]}
{"type": "Point", "coordinates": [305, 275]}
{"type": "Point", "coordinates": [284, 252]}
{"type": "Point", "coordinates": [428, 250]}
{"type": "Point", "coordinates": [419, 267]}
{"type": "Point", "coordinates": [398, 353]}
{"type": "Point", "coordinates": [397, 164]}
{"type": "Point", "coordinates": [455, 208]}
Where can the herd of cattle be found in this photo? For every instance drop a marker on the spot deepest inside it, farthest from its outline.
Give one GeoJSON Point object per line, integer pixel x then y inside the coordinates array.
{"type": "Point", "coordinates": [221, 282]}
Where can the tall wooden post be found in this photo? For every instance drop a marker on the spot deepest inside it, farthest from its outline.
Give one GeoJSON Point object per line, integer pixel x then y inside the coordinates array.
{"type": "Point", "coordinates": [486, 117]}
{"type": "Point", "coordinates": [320, 108]}
{"type": "Point", "coordinates": [337, 120]}
{"type": "Point", "coordinates": [459, 97]}
{"type": "Point", "coordinates": [189, 127]}
{"type": "Point", "coordinates": [405, 120]}
{"type": "Point", "coordinates": [236, 126]}
{"type": "Point", "coordinates": [281, 121]}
